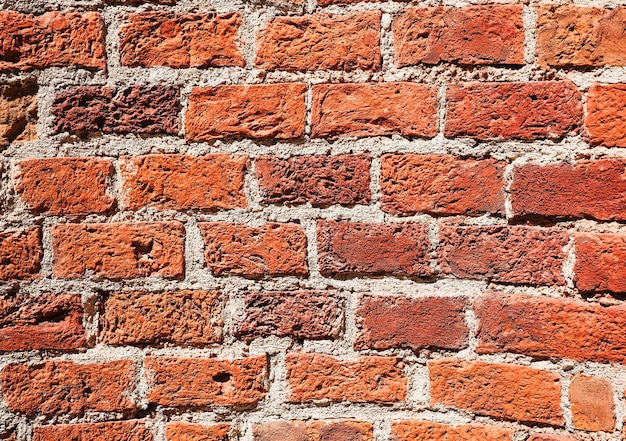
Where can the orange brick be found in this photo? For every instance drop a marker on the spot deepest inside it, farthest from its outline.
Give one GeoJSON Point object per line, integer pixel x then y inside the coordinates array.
{"type": "Point", "coordinates": [20, 253]}
{"type": "Point", "coordinates": [606, 115]}
{"type": "Point", "coordinates": [593, 408]}
{"type": "Point", "coordinates": [424, 430]}
{"type": "Point", "coordinates": [115, 430]}
{"type": "Point", "coordinates": [195, 432]}
{"type": "Point", "coordinates": [18, 111]}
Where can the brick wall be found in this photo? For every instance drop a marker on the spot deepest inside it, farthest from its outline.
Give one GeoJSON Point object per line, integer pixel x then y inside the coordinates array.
{"type": "Point", "coordinates": [312, 220]}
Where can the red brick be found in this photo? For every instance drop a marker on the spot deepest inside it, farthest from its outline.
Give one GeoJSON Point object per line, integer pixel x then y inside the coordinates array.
{"type": "Point", "coordinates": [600, 262]}
{"type": "Point", "coordinates": [318, 180]}
{"type": "Point", "coordinates": [592, 403]}
{"type": "Point", "coordinates": [65, 387]}
{"type": "Point", "coordinates": [364, 248]}
{"type": "Point", "coordinates": [65, 186]}
{"type": "Point", "coordinates": [251, 111]}
{"type": "Point", "coordinates": [425, 430]}
{"type": "Point", "coordinates": [46, 321]}
{"type": "Point", "coordinates": [18, 111]}
{"type": "Point", "coordinates": [321, 42]}
{"type": "Point", "coordinates": [341, 430]}
{"type": "Point", "coordinates": [182, 182]}
{"type": "Point", "coordinates": [317, 377]}
{"type": "Point", "coordinates": [545, 327]}
{"type": "Point", "coordinates": [579, 36]}
{"type": "Point", "coordinates": [527, 111]}
{"type": "Point", "coordinates": [389, 322]}
{"type": "Point", "coordinates": [302, 315]}
{"type": "Point", "coordinates": [182, 317]}
{"type": "Point", "coordinates": [509, 254]}
{"type": "Point", "coordinates": [503, 391]}
{"type": "Point", "coordinates": [158, 38]}
{"type": "Point", "coordinates": [588, 189]}
{"type": "Point", "coordinates": [119, 250]}
{"type": "Point", "coordinates": [474, 35]}
{"type": "Point", "coordinates": [194, 382]}
{"type": "Point", "coordinates": [20, 253]}
{"type": "Point", "coordinates": [136, 109]}
{"type": "Point", "coordinates": [272, 249]}
{"type": "Point", "coordinates": [441, 184]}
{"type": "Point", "coordinates": [115, 430]}
{"type": "Point", "coordinates": [195, 432]}
{"type": "Point", "coordinates": [606, 115]}
{"type": "Point", "coordinates": [52, 39]}
{"type": "Point", "coordinates": [374, 109]}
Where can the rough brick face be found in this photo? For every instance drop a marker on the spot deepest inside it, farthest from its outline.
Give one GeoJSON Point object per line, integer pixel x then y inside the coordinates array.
{"type": "Point", "coordinates": [386, 322]}
{"type": "Point", "coordinates": [20, 253]}
{"type": "Point", "coordinates": [319, 180]}
{"type": "Point", "coordinates": [67, 388]}
{"type": "Point", "coordinates": [52, 39]}
{"type": "Point", "coordinates": [376, 109]}
{"type": "Point", "coordinates": [593, 408]}
{"type": "Point", "coordinates": [65, 186]}
{"type": "Point", "coordinates": [134, 430]}
{"type": "Point", "coordinates": [600, 262]}
{"type": "Point", "coordinates": [195, 432]}
{"type": "Point", "coordinates": [441, 185]}
{"type": "Point", "coordinates": [606, 115]}
{"type": "Point", "coordinates": [418, 430]}
{"type": "Point", "coordinates": [321, 42]}
{"type": "Point", "coordinates": [119, 250]}
{"type": "Point", "coordinates": [18, 111]}
{"type": "Point", "coordinates": [179, 40]}
{"type": "Point", "coordinates": [317, 377]}
{"type": "Point", "coordinates": [194, 382]}
{"type": "Point", "coordinates": [182, 182]}
{"type": "Point", "coordinates": [478, 35]}
{"type": "Point", "coordinates": [527, 111]}
{"type": "Point", "coordinates": [499, 390]}
{"type": "Point", "coordinates": [341, 430]}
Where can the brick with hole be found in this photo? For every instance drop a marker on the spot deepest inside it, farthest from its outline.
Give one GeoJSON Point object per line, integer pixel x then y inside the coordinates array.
{"type": "Point", "coordinates": [593, 408]}
{"type": "Point", "coordinates": [599, 263]}
{"type": "Point", "coordinates": [179, 431]}
{"type": "Point", "coordinates": [133, 430]}
{"type": "Point", "coordinates": [425, 430]}
{"type": "Point", "coordinates": [314, 430]}
{"type": "Point", "coordinates": [606, 115]}
{"type": "Point", "coordinates": [18, 111]}
{"type": "Point", "coordinates": [20, 254]}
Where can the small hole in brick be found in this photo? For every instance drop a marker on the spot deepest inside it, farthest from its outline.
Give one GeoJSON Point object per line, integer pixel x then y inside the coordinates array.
{"type": "Point", "coordinates": [222, 377]}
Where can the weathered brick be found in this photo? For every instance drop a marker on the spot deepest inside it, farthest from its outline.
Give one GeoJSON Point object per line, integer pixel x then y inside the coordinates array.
{"type": "Point", "coordinates": [251, 111]}
{"type": "Point", "coordinates": [18, 111]}
{"type": "Point", "coordinates": [180, 182]}
{"type": "Point", "coordinates": [504, 391]}
{"type": "Point", "coordinates": [65, 186]}
{"type": "Point", "coordinates": [321, 42]}
{"type": "Point", "coordinates": [589, 189]}
{"type": "Point", "coordinates": [65, 387]}
{"type": "Point", "coordinates": [46, 321]}
{"type": "Point", "coordinates": [314, 377]}
{"type": "Point", "coordinates": [195, 382]}
{"type": "Point", "coordinates": [474, 35]}
{"type": "Point", "coordinates": [182, 317]}
{"type": "Point", "coordinates": [579, 36]}
{"type": "Point", "coordinates": [52, 39]}
{"type": "Point", "coordinates": [509, 254]}
{"type": "Point", "coordinates": [178, 431]}
{"type": "Point", "coordinates": [135, 109]}
{"type": "Point", "coordinates": [340, 430]}
{"type": "Point", "coordinates": [542, 437]}
{"type": "Point", "coordinates": [374, 109]}
{"type": "Point", "coordinates": [425, 430]}
{"type": "Point", "coordinates": [441, 184]}
{"type": "Point", "coordinates": [600, 261]}
{"type": "Point", "coordinates": [364, 248]}
{"type": "Point", "coordinates": [134, 430]}
{"type": "Point", "coordinates": [271, 249]}
{"type": "Point", "coordinates": [606, 115]}
{"type": "Point", "coordinates": [318, 180]}
{"type": "Point", "coordinates": [389, 322]}
{"type": "Point", "coordinates": [119, 250]}
{"type": "Point", "coordinates": [158, 38]}
{"type": "Point", "coordinates": [310, 315]}
{"type": "Point", "coordinates": [592, 403]}
{"type": "Point", "coordinates": [527, 111]}
{"type": "Point", "coordinates": [20, 253]}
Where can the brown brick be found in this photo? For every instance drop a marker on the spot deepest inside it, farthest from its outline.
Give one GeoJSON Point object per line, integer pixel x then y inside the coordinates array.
{"type": "Point", "coordinates": [441, 184]}
{"type": "Point", "coordinates": [251, 111]}
{"type": "Point", "coordinates": [182, 317]}
{"type": "Point", "coordinates": [600, 261]}
{"type": "Point", "coordinates": [374, 109]}
{"type": "Point", "coordinates": [18, 111]}
{"type": "Point", "coordinates": [52, 39]}
{"type": "Point", "coordinates": [178, 431]}
{"type": "Point", "coordinates": [20, 253]}
{"type": "Point", "coordinates": [119, 250]}
{"type": "Point", "coordinates": [390, 322]}
{"type": "Point", "coordinates": [364, 248]}
{"type": "Point", "coordinates": [341, 430]}
{"type": "Point", "coordinates": [593, 408]}
{"type": "Point", "coordinates": [474, 35]}
{"type": "Point", "coordinates": [272, 249]}
{"type": "Point", "coordinates": [503, 391]}
{"type": "Point", "coordinates": [321, 42]}
{"type": "Point", "coordinates": [527, 111]}
{"type": "Point", "coordinates": [302, 315]}
{"type": "Point", "coordinates": [194, 382]}
{"type": "Point", "coordinates": [180, 182]}
{"type": "Point", "coordinates": [65, 387]}
{"type": "Point", "coordinates": [314, 377]}
{"type": "Point", "coordinates": [158, 38]}
{"type": "Point", "coordinates": [116, 430]}
{"type": "Point", "coordinates": [318, 180]}
{"type": "Point", "coordinates": [606, 115]}
{"type": "Point", "coordinates": [509, 254]}
{"type": "Point", "coordinates": [425, 430]}
{"type": "Point", "coordinates": [65, 186]}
